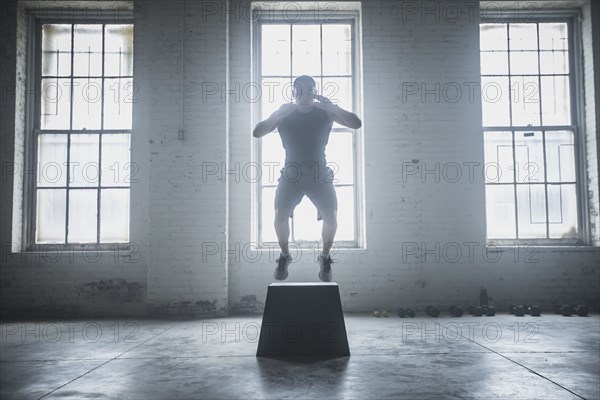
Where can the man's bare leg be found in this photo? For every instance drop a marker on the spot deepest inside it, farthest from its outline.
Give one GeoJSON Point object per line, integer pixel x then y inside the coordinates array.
{"type": "Point", "coordinates": [282, 229]}
{"type": "Point", "coordinates": [329, 229]}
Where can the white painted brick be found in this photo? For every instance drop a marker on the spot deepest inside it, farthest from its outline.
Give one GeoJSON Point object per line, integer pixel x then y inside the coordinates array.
{"type": "Point", "coordinates": [175, 212]}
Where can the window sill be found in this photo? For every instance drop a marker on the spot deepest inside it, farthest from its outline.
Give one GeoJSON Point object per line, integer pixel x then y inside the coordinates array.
{"type": "Point", "coordinates": [76, 248]}
{"type": "Point", "coordinates": [549, 247]}
{"type": "Point", "coordinates": [272, 246]}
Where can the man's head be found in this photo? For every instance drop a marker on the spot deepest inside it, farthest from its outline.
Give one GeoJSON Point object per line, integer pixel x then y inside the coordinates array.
{"type": "Point", "coordinates": [304, 89]}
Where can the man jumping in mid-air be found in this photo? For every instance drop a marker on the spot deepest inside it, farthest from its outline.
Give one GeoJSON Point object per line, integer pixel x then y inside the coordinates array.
{"type": "Point", "coordinates": [304, 128]}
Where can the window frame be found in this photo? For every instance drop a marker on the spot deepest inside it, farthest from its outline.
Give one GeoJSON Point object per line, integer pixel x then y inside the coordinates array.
{"type": "Point", "coordinates": [35, 20]}
{"type": "Point", "coordinates": [572, 17]}
{"type": "Point", "coordinates": [351, 17]}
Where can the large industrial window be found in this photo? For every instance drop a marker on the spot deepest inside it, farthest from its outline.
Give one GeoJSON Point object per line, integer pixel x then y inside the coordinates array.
{"type": "Point", "coordinates": [531, 131]}
{"type": "Point", "coordinates": [325, 50]}
{"type": "Point", "coordinates": [80, 143]}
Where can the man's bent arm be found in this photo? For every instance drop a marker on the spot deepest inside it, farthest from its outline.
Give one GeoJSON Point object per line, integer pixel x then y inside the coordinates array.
{"type": "Point", "coordinates": [266, 126]}
{"type": "Point", "coordinates": [346, 118]}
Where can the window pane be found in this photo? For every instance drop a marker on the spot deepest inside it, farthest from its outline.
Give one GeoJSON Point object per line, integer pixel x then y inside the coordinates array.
{"type": "Point", "coordinates": [87, 95]}
{"type": "Point", "coordinates": [87, 100]}
{"type": "Point", "coordinates": [554, 62]}
{"type": "Point", "coordinates": [523, 62]}
{"type": "Point", "coordinates": [272, 156]}
{"type": "Point", "coordinates": [306, 226]}
{"type": "Point", "coordinates": [114, 215]}
{"type": "Point", "coordinates": [522, 36]}
{"type": "Point", "coordinates": [267, 228]}
{"type": "Point", "coordinates": [525, 98]}
{"type": "Point", "coordinates": [337, 50]}
{"type": "Point", "coordinates": [88, 50]}
{"type": "Point", "coordinates": [493, 37]}
{"type": "Point", "coordinates": [529, 156]}
{"type": "Point", "coordinates": [84, 96]}
{"type": "Point", "coordinates": [500, 211]}
{"type": "Point", "coordinates": [118, 50]}
{"type": "Point", "coordinates": [82, 215]}
{"type": "Point", "coordinates": [56, 95]}
{"type": "Point", "coordinates": [117, 103]}
{"type": "Point", "coordinates": [84, 160]}
{"type": "Point", "coordinates": [553, 36]}
{"type": "Point", "coordinates": [498, 157]}
{"type": "Point", "coordinates": [116, 167]}
{"type": "Point", "coordinates": [50, 218]}
{"type": "Point", "coordinates": [345, 214]}
{"type": "Point", "coordinates": [532, 211]}
{"type": "Point", "coordinates": [340, 157]}
{"type": "Point", "coordinates": [306, 50]}
{"type": "Point", "coordinates": [556, 106]}
{"type": "Point", "coordinates": [339, 91]}
{"type": "Point", "coordinates": [56, 49]}
{"type": "Point", "coordinates": [274, 92]}
{"type": "Point", "coordinates": [494, 63]}
{"type": "Point", "coordinates": [52, 160]}
{"type": "Point", "coordinates": [275, 49]}
{"type": "Point", "coordinates": [535, 100]}
{"type": "Point", "coordinates": [562, 211]}
{"type": "Point", "coordinates": [560, 156]}
{"type": "Point", "coordinates": [495, 101]}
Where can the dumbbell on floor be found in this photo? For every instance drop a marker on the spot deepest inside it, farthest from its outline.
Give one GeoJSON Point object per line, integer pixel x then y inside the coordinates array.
{"type": "Point", "coordinates": [456, 311]}
{"type": "Point", "coordinates": [476, 311]}
{"type": "Point", "coordinates": [518, 311]}
{"type": "Point", "coordinates": [432, 311]}
{"type": "Point", "coordinates": [521, 310]}
{"type": "Point", "coordinates": [488, 311]}
{"type": "Point", "coordinates": [533, 310]}
{"type": "Point", "coordinates": [567, 310]}
{"type": "Point", "coordinates": [582, 310]}
{"type": "Point", "coordinates": [405, 313]}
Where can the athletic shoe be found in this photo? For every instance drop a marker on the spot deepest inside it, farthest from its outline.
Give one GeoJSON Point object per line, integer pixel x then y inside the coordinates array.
{"type": "Point", "coordinates": [281, 271]}
{"type": "Point", "coordinates": [325, 273]}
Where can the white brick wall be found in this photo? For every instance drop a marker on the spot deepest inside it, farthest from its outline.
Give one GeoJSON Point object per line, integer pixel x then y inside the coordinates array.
{"type": "Point", "coordinates": [179, 219]}
{"type": "Point", "coordinates": [65, 283]}
{"type": "Point", "coordinates": [398, 47]}
{"type": "Point", "coordinates": [591, 129]}
{"type": "Point", "coordinates": [184, 211]}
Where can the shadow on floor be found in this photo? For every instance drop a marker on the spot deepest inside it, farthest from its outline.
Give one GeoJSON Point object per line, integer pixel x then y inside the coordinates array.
{"type": "Point", "coordinates": [291, 373]}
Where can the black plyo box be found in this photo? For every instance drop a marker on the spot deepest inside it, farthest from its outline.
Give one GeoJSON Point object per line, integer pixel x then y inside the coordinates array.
{"type": "Point", "coordinates": [303, 319]}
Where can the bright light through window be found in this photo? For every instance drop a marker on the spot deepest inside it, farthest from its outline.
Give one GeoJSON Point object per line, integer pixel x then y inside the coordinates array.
{"type": "Point", "coordinates": [529, 141]}
{"type": "Point", "coordinates": [88, 130]}
{"type": "Point", "coordinates": [323, 51]}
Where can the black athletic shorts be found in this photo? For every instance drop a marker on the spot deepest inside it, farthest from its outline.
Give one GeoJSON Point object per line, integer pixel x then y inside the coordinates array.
{"type": "Point", "coordinates": [296, 181]}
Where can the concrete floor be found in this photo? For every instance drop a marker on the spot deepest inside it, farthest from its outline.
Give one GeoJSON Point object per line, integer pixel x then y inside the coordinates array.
{"type": "Point", "coordinates": [501, 357]}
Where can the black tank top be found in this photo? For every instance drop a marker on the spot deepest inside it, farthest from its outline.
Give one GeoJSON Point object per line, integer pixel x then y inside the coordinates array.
{"type": "Point", "coordinates": [305, 135]}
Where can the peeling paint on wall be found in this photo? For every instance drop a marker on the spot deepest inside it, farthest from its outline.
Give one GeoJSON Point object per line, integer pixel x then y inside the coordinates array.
{"type": "Point", "coordinates": [421, 283]}
{"type": "Point", "coordinates": [118, 290]}
{"type": "Point", "coordinates": [200, 308]}
{"type": "Point", "coordinates": [248, 305]}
